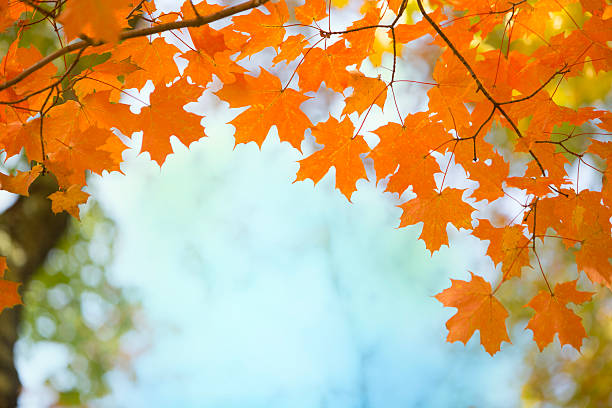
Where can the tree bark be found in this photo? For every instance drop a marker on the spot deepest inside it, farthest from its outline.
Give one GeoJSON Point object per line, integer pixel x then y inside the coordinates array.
{"type": "Point", "coordinates": [28, 231]}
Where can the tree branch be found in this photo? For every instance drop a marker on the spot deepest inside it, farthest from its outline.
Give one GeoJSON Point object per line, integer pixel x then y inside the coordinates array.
{"type": "Point", "coordinates": [496, 105]}
{"type": "Point", "coordinates": [139, 32]}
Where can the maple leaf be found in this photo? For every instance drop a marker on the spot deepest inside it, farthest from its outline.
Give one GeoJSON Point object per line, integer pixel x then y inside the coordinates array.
{"type": "Point", "coordinates": [362, 41]}
{"type": "Point", "coordinates": [342, 150]}
{"type": "Point", "coordinates": [582, 218]}
{"type": "Point", "coordinates": [9, 296]}
{"type": "Point", "coordinates": [405, 33]}
{"type": "Point", "coordinates": [203, 8]}
{"type": "Point", "coordinates": [271, 105]}
{"type": "Point", "coordinates": [167, 102]}
{"type": "Point", "coordinates": [477, 309]}
{"type": "Point", "coordinates": [97, 110]}
{"type": "Point", "coordinates": [69, 200]}
{"type": "Point", "coordinates": [553, 317]}
{"type": "Point", "coordinates": [103, 22]}
{"type": "Point", "coordinates": [594, 257]}
{"type": "Point", "coordinates": [5, 19]}
{"type": "Point", "coordinates": [72, 141]}
{"type": "Point", "coordinates": [310, 11]}
{"type": "Point", "coordinates": [291, 48]}
{"type": "Point", "coordinates": [104, 77]}
{"type": "Point", "coordinates": [20, 182]}
{"type": "Point", "coordinates": [436, 211]}
{"type": "Point", "coordinates": [18, 59]}
{"type": "Point", "coordinates": [27, 136]}
{"type": "Point", "coordinates": [508, 245]}
{"type": "Point", "coordinates": [326, 65]}
{"type": "Point", "coordinates": [265, 30]}
{"type": "Point", "coordinates": [538, 186]}
{"type": "Point", "coordinates": [210, 57]}
{"type": "Point", "coordinates": [490, 176]}
{"type": "Point", "coordinates": [405, 152]}
{"type": "Point", "coordinates": [79, 152]}
{"type": "Point", "coordinates": [155, 59]}
{"type": "Point", "coordinates": [366, 92]}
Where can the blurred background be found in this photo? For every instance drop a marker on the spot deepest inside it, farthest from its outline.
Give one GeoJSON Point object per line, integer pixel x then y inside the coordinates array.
{"type": "Point", "coordinates": [218, 282]}
{"type": "Point", "coordinates": [243, 289]}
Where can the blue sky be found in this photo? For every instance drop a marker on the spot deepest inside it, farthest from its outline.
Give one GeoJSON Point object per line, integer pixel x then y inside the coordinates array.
{"type": "Point", "coordinates": [260, 292]}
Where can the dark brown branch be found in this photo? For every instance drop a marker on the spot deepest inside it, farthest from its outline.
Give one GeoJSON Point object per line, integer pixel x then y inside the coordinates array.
{"type": "Point", "coordinates": [54, 84]}
{"type": "Point", "coordinates": [134, 9]}
{"type": "Point", "coordinates": [564, 70]}
{"type": "Point", "coordinates": [46, 13]}
{"type": "Point", "coordinates": [481, 87]}
{"type": "Point", "coordinates": [399, 13]}
{"type": "Point", "coordinates": [482, 125]}
{"type": "Point", "coordinates": [352, 30]}
{"type": "Point", "coordinates": [193, 7]}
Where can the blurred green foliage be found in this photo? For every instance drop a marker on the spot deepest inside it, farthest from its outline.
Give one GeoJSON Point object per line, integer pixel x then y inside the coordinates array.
{"type": "Point", "coordinates": [71, 302]}
{"type": "Point", "coordinates": [559, 378]}
{"type": "Point", "coordinates": [564, 377]}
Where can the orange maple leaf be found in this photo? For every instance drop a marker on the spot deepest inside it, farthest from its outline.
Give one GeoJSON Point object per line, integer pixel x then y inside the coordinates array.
{"type": "Point", "coordinates": [326, 65]}
{"type": "Point", "coordinates": [5, 19]}
{"type": "Point", "coordinates": [362, 41]}
{"type": "Point", "coordinates": [18, 59]}
{"type": "Point", "coordinates": [265, 30]}
{"type": "Point", "coordinates": [155, 58]}
{"type": "Point", "coordinates": [81, 151]}
{"type": "Point", "coordinates": [582, 218]}
{"type": "Point", "coordinates": [436, 211]}
{"type": "Point", "coordinates": [538, 186]}
{"type": "Point", "coordinates": [74, 142]}
{"type": "Point", "coordinates": [20, 182]}
{"type": "Point", "coordinates": [341, 150]}
{"type": "Point", "coordinates": [366, 92]}
{"type": "Point", "coordinates": [211, 56]}
{"type": "Point", "coordinates": [104, 77]}
{"type": "Point", "coordinates": [68, 200]}
{"type": "Point", "coordinates": [291, 48]}
{"type": "Point", "coordinates": [203, 8]}
{"type": "Point", "coordinates": [594, 257]}
{"type": "Point", "coordinates": [313, 10]}
{"type": "Point", "coordinates": [97, 110]}
{"type": "Point", "coordinates": [404, 152]}
{"type": "Point", "coordinates": [490, 170]}
{"type": "Point", "coordinates": [552, 315]}
{"type": "Point", "coordinates": [98, 19]}
{"type": "Point", "coordinates": [477, 309]}
{"type": "Point", "coordinates": [271, 105]}
{"type": "Point", "coordinates": [508, 245]}
{"type": "Point", "coordinates": [404, 33]}
{"type": "Point", "coordinates": [165, 117]}
{"type": "Point", "coordinates": [9, 296]}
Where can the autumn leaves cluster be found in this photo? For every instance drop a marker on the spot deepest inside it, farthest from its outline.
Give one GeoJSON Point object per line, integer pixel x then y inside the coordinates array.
{"type": "Point", "coordinates": [491, 116]}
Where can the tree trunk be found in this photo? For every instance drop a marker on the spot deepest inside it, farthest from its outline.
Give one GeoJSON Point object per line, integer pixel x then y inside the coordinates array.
{"type": "Point", "coordinates": [28, 231]}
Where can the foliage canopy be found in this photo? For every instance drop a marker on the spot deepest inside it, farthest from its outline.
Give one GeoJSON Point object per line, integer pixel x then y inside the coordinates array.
{"type": "Point", "coordinates": [494, 116]}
